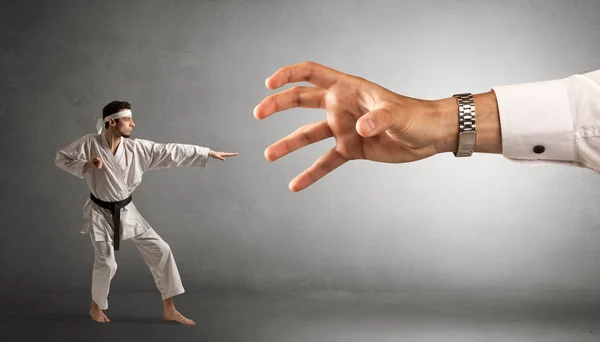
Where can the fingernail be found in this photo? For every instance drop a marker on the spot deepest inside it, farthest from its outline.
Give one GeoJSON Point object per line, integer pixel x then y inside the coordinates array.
{"type": "Point", "coordinates": [371, 124]}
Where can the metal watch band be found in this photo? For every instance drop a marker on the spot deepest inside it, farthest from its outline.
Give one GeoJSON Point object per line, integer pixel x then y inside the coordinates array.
{"type": "Point", "coordinates": [466, 125]}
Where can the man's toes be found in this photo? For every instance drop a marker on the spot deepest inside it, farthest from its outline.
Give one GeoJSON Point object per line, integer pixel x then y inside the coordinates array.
{"type": "Point", "coordinates": [100, 318]}
{"type": "Point", "coordinates": [187, 321]}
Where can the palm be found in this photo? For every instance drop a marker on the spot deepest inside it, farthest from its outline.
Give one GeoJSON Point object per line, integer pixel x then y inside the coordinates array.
{"type": "Point", "coordinates": [389, 147]}
{"type": "Point", "coordinates": [343, 111]}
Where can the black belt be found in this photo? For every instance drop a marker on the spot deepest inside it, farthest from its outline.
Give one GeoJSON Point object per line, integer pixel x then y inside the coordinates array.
{"type": "Point", "coordinates": [115, 211]}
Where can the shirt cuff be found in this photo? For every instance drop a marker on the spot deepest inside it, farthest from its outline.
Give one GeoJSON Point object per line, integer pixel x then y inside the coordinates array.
{"type": "Point", "coordinates": [536, 121]}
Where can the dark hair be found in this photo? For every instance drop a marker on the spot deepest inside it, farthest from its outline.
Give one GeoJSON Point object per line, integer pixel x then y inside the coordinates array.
{"type": "Point", "coordinates": [114, 107]}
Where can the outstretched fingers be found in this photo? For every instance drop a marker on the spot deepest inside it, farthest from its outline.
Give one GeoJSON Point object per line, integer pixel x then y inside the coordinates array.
{"type": "Point", "coordinates": [228, 154]}
{"type": "Point", "coordinates": [314, 73]}
{"type": "Point", "coordinates": [324, 165]}
{"type": "Point", "coordinates": [303, 136]}
{"type": "Point", "coordinates": [305, 97]}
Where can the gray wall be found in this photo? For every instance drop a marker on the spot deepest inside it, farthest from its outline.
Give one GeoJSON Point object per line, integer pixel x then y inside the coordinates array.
{"type": "Point", "coordinates": [194, 70]}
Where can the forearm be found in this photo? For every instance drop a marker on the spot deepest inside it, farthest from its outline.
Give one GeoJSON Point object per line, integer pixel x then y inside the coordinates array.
{"type": "Point", "coordinates": [176, 155]}
{"type": "Point", "coordinates": [487, 123]}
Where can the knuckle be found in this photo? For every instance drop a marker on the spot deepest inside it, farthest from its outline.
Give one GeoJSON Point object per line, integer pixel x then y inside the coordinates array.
{"type": "Point", "coordinates": [305, 135]}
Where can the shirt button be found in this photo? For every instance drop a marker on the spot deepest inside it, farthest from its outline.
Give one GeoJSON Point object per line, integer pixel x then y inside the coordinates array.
{"type": "Point", "coordinates": [539, 149]}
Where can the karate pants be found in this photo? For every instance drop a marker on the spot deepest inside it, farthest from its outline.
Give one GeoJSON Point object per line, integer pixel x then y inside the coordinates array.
{"type": "Point", "coordinates": [157, 255]}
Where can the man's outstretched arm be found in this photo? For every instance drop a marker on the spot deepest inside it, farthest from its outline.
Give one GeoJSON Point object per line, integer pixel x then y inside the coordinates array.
{"type": "Point", "coordinates": [160, 155]}
{"type": "Point", "coordinates": [523, 122]}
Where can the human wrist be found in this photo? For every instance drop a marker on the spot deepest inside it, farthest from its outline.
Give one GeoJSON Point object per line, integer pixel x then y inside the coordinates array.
{"type": "Point", "coordinates": [487, 124]}
{"type": "Point", "coordinates": [446, 111]}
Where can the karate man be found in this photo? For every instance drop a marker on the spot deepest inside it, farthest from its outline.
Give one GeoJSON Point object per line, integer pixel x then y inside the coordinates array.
{"type": "Point", "coordinates": [113, 166]}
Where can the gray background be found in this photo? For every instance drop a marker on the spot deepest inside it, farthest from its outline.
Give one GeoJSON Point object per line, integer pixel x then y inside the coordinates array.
{"type": "Point", "coordinates": [194, 70]}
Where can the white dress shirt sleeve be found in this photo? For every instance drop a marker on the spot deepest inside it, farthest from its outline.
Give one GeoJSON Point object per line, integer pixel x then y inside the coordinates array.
{"type": "Point", "coordinates": [552, 122]}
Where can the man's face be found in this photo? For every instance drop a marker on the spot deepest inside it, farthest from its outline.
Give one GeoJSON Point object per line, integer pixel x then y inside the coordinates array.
{"type": "Point", "coordinates": [125, 126]}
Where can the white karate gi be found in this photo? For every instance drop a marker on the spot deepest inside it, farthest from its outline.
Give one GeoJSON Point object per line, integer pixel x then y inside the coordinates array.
{"type": "Point", "coordinates": [116, 180]}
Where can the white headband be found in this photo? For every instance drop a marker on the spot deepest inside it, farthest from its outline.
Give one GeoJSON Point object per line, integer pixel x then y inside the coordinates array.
{"type": "Point", "coordinates": [100, 122]}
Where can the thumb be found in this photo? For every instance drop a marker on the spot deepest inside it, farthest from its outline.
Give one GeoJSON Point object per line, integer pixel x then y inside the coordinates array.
{"type": "Point", "coordinates": [374, 122]}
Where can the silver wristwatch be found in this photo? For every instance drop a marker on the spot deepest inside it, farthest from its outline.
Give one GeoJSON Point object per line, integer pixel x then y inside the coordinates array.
{"type": "Point", "coordinates": [466, 125]}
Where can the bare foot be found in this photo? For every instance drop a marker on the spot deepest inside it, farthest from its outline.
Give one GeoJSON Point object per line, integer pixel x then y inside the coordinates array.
{"type": "Point", "coordinates": [97, 314]}
{"type": "Point", "coordinates": [174, 316]}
